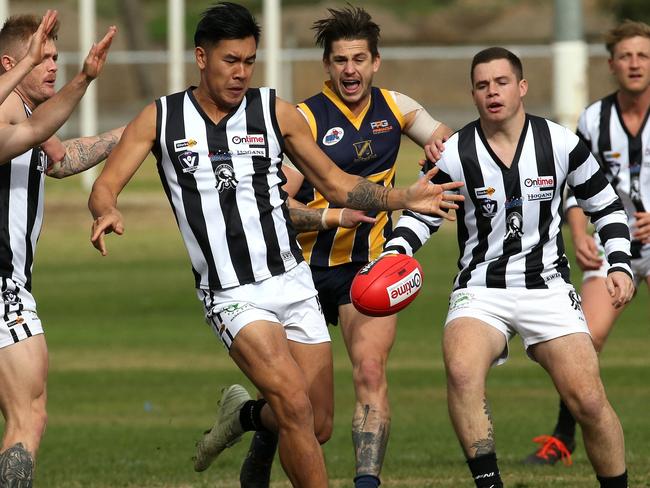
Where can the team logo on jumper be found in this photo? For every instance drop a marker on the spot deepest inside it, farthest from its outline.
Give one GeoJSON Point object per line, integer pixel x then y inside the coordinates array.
{"type": "Point", "coordinates": [332, 136]}
{"type": "Point", "coordinates": [405, 287]}
{"type": "Point", "coordinates": [609, 155]}
{"type": "Point", "coordinates": [182, 144]}
{"type": "Point", "coordinates": [485, 191]}
{"type": "Point", "coordinates": [460, 300]}
{"type": "Point", "coordinates": [219, 156]}
{"type": "Point", "coordinates": [41, 165]}
{"type": "Point", "coordinates": [544, 182]}
{"type": "Point", "coordinates": [189, 161]}
{"type": "Point", "coordinates": [249, 140]}
{"type": "Point", "coordinates": [225, 175]}
{"type": "Point", "coordinates": [514, 226]}
{"type": "Point", "coordinates": [488, 207]}
{"type": "Point", "coordinates": [10, 297]}
{"type": "Point", "coordinates": [380, 126]}
{"type": "Point", "coordinates": [576, 301]}
{"type": "Point", "coordinates": [364, 151]}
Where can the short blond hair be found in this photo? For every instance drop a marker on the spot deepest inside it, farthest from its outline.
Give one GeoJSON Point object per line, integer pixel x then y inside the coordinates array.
{"type": "Point", "coordinates": [625, 30]}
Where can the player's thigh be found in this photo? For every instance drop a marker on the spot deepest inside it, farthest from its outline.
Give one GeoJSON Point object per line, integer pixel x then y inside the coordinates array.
{"type": "Point", "coordinates": [571, 362]}
{"type": "Point", "coordinates": [598, 309]}
{"type": "Point", "coordinates": [470, 346]}
{"type": "Point", "coordinates": [366, 337]}
{"type": "Point", "coordinates": [23, 373]}
{"type": "Point", "coordinates": [261, 350]}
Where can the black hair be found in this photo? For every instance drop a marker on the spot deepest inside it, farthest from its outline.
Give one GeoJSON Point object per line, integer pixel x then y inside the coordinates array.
{"type": "Point", "coordinates": [349, 23]}
{"type": "Point", "coordinates": [225, 20]}
{"type": "Point", "coordinates": [494, 53]}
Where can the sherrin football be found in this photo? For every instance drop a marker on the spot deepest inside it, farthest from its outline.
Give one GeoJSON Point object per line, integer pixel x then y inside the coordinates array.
{"type": "Point", "coordinates": [386, 285]}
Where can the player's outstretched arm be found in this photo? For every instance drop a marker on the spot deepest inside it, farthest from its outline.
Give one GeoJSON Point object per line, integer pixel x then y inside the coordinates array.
{"type": "Point", "coordinates": [16, 71]}
{"type": "Point", "coordinates": [134, 146]}
{"type": "Point", "coordinates": [351, 191]}
{"type": "Point", "coordinates": [51, 115]}
{"type": "Point", "coordinates": [81, 153]}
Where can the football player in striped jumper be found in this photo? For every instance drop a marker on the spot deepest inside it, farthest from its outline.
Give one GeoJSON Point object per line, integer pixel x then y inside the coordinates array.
{"type": "Point", "coordinates": [359, 127]}
{"type": "Point", "coordinates": [513, 273]}
{"type": "Point", "coordinates": [219, 148]}
{"type": "Point", "coordinates": [617, 132]}
{"type": "Point", "coordinates": [23, 351]}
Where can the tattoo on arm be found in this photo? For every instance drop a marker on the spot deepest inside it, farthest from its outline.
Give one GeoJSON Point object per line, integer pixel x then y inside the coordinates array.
{"type": "Point", "coordinates": [306, 219]}
{"type": "Point", "coordinates": [16, 467]}
{"type": "Point", "coordinates": [370, 437]}
{"type": "Point", "coordinates": [84, 153]}
{"type": "Point", "coordinates": [487, 445]}
{"type": "Point", "coordinates": [368, 196]}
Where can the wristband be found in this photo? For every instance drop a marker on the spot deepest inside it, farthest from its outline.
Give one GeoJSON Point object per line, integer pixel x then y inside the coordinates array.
{"type": "Point", "coordinates": [323, 222]}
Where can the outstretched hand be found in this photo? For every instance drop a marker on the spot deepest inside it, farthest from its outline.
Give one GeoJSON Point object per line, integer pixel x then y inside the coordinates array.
{"type": "Point", "coordinates": [620, 288]}
{"type": "Point", "coordinates": [97, 56]}
{"type": "Point", "coordinates": [431, 199]}
{"type": "Point", "coordinates": [350, 218]}
{"type": "Point", "coordinates": [105, 224]}
{"type": "Point", "coordinates": [36, 47]}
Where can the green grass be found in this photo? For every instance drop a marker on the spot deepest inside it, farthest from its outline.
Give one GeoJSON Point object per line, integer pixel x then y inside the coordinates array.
{"type": "Point", "coordinates": [134, 371]}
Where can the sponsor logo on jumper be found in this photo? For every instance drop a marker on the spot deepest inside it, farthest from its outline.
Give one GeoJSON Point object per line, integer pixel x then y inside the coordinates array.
{"type": "Point", "coordinates": [380, 126]}
{"type": "Point", "coordinates": [540, 196]}
{"type": "Point", "coordinates": [366, 268]}
{"type": "Point", "coordinates": [220, 156]}
{"type": "Point", "coordinates": [332, 136]}
{"type": "Point", "coordinates": [488, 207]}
{"type": "Point", "coordinates": [249, 139]}
{"type": "Point", "coordinates": [514, 202]}
{"type": "Point", "coordinates": [181, 144]}
{"type": "Point", "coordinates": [286, 256]}
{"type": "Point", "coordinates": [514, 226]}
{"type": "Point", "coordinates": [189, 161]}
{"type": "Point", "coordinates": [251, 152]}
{"type": "Point", "coordinates": [611, 155]}
{"type": "Point", "coordinates": [225, 175]}
{"type": "Point", "coordinates": [364, 151]}
{"type": "Point", "coordinates": [17, 321]}
{"type": "Point", "coordinates": [485, 191]}
{"type": "Point", "coordinates": [540, 182]}
{"type": "Point", "coordinates": [406, 287]}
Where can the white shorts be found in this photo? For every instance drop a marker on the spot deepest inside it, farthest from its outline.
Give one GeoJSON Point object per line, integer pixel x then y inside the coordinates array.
{"type": "Point", "coordinates": [640, 266]}
{"type": "Point", "coordinates": [536, 315]}
{"type": "Point", "coordinates": [18, 319]}
{"type": "Point", "coordinates": [289, 299]}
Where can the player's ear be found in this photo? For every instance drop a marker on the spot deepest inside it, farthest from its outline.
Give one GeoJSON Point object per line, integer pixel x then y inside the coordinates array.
{"type": "Point", "coordinates": [200, 55]}
{"type": "Point", "coordinates": [7, 62]}
{"type": "Point", "coordinates": [523, 87]}
{"type": "Point", "coordinates": [376, 62]}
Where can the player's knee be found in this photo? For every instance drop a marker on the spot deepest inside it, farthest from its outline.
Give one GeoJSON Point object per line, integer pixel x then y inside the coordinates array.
{"type": "Point", "coordinates": [293, 409]}
{"type": "Point", "coordinates": [588, 406]}
{"type": "Point", "coordinates": [462, 375]}
{"type": "Point", "coordinates": [370, 374]}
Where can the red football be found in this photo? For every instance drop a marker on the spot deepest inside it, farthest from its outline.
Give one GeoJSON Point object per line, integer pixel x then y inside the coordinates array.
{"type": "Point", "coordinates": [386, 285]}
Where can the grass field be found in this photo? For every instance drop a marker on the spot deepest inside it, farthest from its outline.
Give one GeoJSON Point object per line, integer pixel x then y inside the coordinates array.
{"type": "Point", "coordinates": [135, 373]}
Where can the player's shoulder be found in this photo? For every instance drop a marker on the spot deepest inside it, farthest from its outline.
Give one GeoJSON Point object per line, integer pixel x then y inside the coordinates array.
{"type": "Point", "coordinates": [12, 110]}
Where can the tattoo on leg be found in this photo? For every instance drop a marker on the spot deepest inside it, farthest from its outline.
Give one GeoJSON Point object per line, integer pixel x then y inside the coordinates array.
{"type": "Point", "coordinates": [487, 445]}
{"type": "Point", "coordinates": [370, 436]}
{"type": "Point", "coordinates": [368, 196]}
{"type": "Point", "coordinates": [16, 467]}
